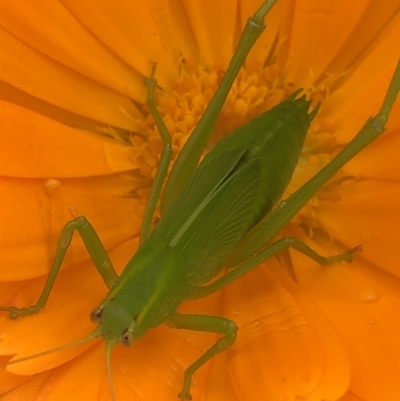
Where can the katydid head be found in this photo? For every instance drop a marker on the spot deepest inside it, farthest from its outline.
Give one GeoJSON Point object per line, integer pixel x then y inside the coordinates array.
{"type": "Point", "coordinates": [115, 324]}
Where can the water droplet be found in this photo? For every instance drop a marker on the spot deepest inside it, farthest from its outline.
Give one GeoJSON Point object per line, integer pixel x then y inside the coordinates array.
{"type": "Point", "coordinates": [255, 323]}
{"type": "Point", "coordinates": [369, 296]}
{"type": "Point", "coordinates": [50, 186]}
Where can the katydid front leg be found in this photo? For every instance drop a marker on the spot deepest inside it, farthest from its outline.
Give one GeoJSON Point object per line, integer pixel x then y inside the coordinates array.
{"type": "Point", "coordinates": [205, 323]}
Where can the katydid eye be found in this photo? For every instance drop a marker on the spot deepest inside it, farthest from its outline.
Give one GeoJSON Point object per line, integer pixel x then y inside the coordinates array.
{"type": "Point", "coordinates": [126, 338]}
{"type": "Point", "coordinates": [95, 315]}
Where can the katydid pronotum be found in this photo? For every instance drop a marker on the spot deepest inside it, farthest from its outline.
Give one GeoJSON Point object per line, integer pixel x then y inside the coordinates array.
{"type": "Point", "coordinates": [218, 214]}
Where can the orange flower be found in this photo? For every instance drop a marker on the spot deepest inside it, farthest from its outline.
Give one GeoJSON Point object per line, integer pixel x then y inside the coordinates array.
{"type": "Point", "coordinates": [77, 140]}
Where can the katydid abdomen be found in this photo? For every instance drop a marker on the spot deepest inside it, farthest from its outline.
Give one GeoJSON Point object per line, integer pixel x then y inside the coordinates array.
{"type": "Point", "coordinates": [235, 185]}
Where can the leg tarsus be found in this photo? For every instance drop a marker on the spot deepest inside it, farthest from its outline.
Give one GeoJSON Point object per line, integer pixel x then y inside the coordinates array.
{"type": "Point", "coordinates": [260, 14]}
{"type": "Point", "coordinates": [302, 247]}
{"type": "Point", "coordinates": [15, 312]}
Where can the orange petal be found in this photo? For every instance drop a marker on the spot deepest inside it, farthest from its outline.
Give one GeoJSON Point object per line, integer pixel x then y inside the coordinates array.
{"type": "Point", "coordinates": [368, 215]}
{"type": "Point", "coordinates": [130, 32]}
{"type": "Point", "coordinates": [280, 343]}
{"type": "Point", "coordinates": [376, 26]}
{"type": "Point", "coordinates": [358, 103]}
{"type": "Point", "coordinates": [171, 22]}
{"type": "Point", "coordinates": [315, 39]}
{"type": "Point", "coordinates": [214, 30]}
{"type": "Point", "coordinates": [351, 397]}
{"type": "Point", "coordinates": [64, 319]}
{"type": "Point", "coordinates": [28, 390]}
{"type": "Point", "coordinates": [35, 224]}
{"type": "Point", "coordinates": [274, 22]}
{"type": "Point", "coordinates": [360, 94]}
{"type": "Point", "coordinates": [337, 366]}
{"type": "Point", "coordinates": [52, 30]}
{"type": "Point", "coordinates": [8, 381]}
{"type": "Point", "coordinates": [54, 83]}
{"type": "Point", "coordinates": [35, 146]}
{"type": "Point", "coordinates": [363, 304]}
{"type": "Point", "coordinates": [78, 378]}
{"type": "Point", "coordinates": [379, 161]}
{"type": "Point", "coordinates": [219, 387]}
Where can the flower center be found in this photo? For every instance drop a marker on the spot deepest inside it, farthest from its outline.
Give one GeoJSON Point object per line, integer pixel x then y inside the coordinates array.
{"type": "Point", "coordinates": [255, 90]}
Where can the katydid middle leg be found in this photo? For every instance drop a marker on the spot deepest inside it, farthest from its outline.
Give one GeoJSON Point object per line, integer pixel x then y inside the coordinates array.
{"type": "Point", "coordinates": [96, 251]}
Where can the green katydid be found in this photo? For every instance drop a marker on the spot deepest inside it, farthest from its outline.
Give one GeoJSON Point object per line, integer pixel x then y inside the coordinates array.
{"type": "Point", "coordinates": [220, 213]}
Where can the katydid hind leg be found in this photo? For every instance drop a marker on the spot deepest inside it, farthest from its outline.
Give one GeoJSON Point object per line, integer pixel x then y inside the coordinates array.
{"type": "Point", "coordinates": [96, 251]}
{"type": "Point", "coordinates": [272, 224]}
{"type": "Point", "coordinates": [165, 157]}
{"type": "Point", "coordinates": [205, 323]}
{"type": "Point", "coordinates": [277, 247]}
{"type": "Point", "coordinates": [266, 230]}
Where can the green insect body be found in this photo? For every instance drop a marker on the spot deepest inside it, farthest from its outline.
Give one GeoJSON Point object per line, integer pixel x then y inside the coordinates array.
{"type": "Point", "coordinates": [234, 186]}
{"type": "Point", "coordinates": [219, 213]}
{"type": "Point", "coordinates": [186, 239]}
